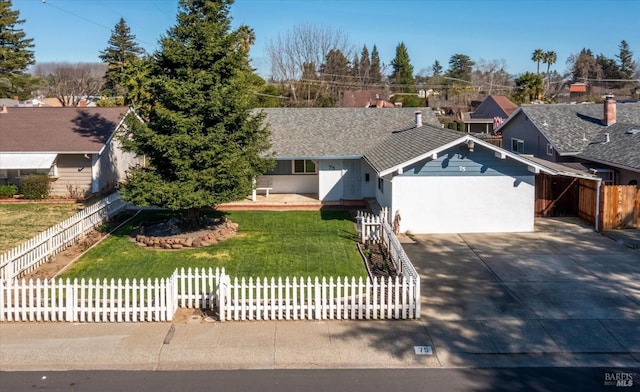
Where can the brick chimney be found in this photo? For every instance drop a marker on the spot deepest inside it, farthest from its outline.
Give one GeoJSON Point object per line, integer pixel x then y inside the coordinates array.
{"type": "Point", "coordinates": [418, 119]}
{"type": "Point", "coordinates": [609, 111]}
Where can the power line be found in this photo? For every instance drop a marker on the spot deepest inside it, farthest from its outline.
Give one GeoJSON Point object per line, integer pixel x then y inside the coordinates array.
{"type": "Point", "coordinates": [46, 2]}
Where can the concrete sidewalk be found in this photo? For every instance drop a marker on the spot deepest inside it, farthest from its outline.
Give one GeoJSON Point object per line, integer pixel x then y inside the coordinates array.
{"type": "Point", "coordinates": [307, 345]}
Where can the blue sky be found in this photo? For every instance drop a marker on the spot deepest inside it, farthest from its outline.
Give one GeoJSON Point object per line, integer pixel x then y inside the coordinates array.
{"type": "Point", "coordinates": [77, 30]}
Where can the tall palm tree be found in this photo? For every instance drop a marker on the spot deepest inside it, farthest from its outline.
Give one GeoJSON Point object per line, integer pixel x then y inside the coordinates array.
{"type": "Point", "coordinates": [247, 37]}
{"type": "Point", "coordinates": [537, 57]}
{"type": "Point", "coordinates": [549, 57]}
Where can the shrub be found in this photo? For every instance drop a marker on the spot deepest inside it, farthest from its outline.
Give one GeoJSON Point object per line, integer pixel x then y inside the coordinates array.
{"type": "Point", "coordinates": [35, 186]}
{"type": "Point", "coordinates": [8, 190]}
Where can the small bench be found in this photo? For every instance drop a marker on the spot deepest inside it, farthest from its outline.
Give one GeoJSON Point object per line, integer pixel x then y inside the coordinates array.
{"type": "Point", "coordinates": [265, 186]}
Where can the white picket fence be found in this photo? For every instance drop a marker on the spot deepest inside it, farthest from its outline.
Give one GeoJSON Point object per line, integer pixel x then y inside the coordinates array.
{"type": "Point", "coordinates": [318, 299]}
{"type": "Point", "coordinates": [237, 299]}
{"type": "Point", "coordinates": [31, 254]}
{"type": "Point", "coordinates": [376, 228]}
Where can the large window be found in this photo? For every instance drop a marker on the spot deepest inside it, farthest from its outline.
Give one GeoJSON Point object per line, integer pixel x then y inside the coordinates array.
{"type": "Point", "coordinates": [303, 166]}
{"type": "Point", "coordinates": [517, 145]}
{"type": "Point", "coordinates": [287, 167]}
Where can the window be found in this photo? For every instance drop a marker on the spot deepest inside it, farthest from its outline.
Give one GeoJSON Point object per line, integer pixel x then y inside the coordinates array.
{"type": "Point", "coordinates": [28, 172]}
{"type": "Point", "coordinates": [303, 166]}
{"type": "Point", "coordinates": [3, 173]}
{"type": "Point", "coordinates": [381, 185]}
{"type": "Point", "coordinates": [549, 149]}
{"type": "Point", "coordinates": [517, 145]}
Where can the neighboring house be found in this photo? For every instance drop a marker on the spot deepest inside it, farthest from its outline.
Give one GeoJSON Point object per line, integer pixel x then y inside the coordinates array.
{"type": "Point", "coordinates": [484, 118]}
{"type": "Point", "coordinates": [437, 180]}
{"type": "Point", "coordinates": [603, 138]}
{"type": "Point", "coordinates": [577, 90]}
{"type": "Point", "coordinates": [365, 99]}
{"type": "Point", "coordinates": [77, 148]}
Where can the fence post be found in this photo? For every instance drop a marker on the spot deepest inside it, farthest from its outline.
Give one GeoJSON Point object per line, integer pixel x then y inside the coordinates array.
{"type": "Point", "coordinates": [69, 293]}
{"type": "Point", "coordinates": [222, 295]}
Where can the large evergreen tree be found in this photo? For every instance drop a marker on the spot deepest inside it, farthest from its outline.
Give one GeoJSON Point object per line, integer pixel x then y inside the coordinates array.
{"type": "Point", "coordinates": [625, 57]}
{"type": "Point", "coordinates": [122, 50]}
{"type": "Point", "coordinates": [460, 66]}
{"type": "Point", "coordinates": [16, 55]}
{"type": "Point", "coordinates": [402, 70]}
{"type": "Point", "coordinates": [203, 143]}
{"type": "Point", "coordinates": [375, 71]}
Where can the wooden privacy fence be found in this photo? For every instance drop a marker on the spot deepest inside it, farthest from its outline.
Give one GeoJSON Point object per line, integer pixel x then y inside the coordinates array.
{"type": "Point", "coordinates": [620, 207]}
{"type": "Point", "coordinates": [29, 255]}
{"type": "Point", "coordinates": [233, 299]}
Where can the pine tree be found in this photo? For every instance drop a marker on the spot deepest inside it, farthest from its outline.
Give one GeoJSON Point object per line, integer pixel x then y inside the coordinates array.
{"type": "Point", "coordinates": [436, 68]}
{"type": "Point", "coordinates": [365, 65]}
{"type": "Point", "coordinates": [625, 56]}
{"type": "Point", "coordinates": [203, 143]}
{"type": "Point", "coordinates": [122, 50]}
{"type": "Point", "coordinates": [402, 69]}
{"type": "Point", "coordinates": [16, 55]}
{"type": "Point", "coordinates": [375, 72]}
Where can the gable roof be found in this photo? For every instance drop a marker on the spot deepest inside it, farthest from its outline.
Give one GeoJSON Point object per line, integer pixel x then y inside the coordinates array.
{"type": "Point", "coordinates": [404, 148]}
{"type": "Point", "coordinates": [312, 133]}
{"type": "Point", "coordinates": [571, 128]}
{"type": "Point", "coordinates": [495, 106]}
{"type": "Point", "coordinates": [58, 130]}
{"type": "Point", "coordinates": [404, 145]}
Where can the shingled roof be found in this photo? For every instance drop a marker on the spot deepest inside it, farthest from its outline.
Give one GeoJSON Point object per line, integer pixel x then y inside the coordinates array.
{"type": "Point", "coordinates": [572, 128]}
{"type": "Point", "coordinates": [58, 130]}
{"type": "Point", "coordinates": [621, 147]}
{"type": "Point", "coordinates": [313, 133]}
{"type": "Point", "coordinates": [402, 146]}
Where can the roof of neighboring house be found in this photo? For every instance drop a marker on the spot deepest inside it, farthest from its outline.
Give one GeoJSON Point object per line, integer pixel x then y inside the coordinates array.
{"type": "Point", "coordinates": [495, 106]}
{"type": "Point", "coordinates": [361, 98]}
{"type": "Point", "coordinates": [578, 88]}
{"type": "Point", "coordinates": [622, 149]}
{"type": "Point", "coordinates": [58, 130]}
{"type": "Point", "coordinates": [336, 132]}
{"type": "Point", "coordinates": [571, 128]}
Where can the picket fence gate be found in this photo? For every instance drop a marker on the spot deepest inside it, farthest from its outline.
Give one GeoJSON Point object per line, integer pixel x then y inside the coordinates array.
{"type": "Point", "coordinates": [29, 255]}
{"type": "Point", "coordinates": [232, 299]}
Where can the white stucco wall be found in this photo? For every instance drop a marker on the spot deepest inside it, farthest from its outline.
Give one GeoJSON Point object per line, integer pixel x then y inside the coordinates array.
{"type": "Point", "coordinates": [443, 204]}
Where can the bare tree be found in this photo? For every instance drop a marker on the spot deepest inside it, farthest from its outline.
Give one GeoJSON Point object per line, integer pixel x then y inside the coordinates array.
{"type": "Point", "coordinates": [70, 83]}
{"type": "Point", "coordinates": [491, 76]}
{"type": "Point", "coordinates": [304, 44]}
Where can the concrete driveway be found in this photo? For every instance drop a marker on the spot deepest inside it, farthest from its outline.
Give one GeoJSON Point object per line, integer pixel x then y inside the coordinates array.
{"type": "Point", "coordinates": [563, 295]}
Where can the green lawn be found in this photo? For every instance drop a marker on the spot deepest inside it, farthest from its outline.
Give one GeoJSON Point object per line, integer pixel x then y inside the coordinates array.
{"type": "Point", "coordinates": [21, 222]}
{"type": "Point", "coordinates": [268, 244]}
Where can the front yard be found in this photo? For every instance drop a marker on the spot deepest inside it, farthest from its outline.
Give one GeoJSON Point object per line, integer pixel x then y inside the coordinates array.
{"type": "Point", "coordinates": [20, 222]}
{"type": "Point", "coordinates": [268, 244]}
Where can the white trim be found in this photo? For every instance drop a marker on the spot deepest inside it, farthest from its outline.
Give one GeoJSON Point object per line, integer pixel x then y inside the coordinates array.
{"type": "Point", "coordinates": [464, 139]}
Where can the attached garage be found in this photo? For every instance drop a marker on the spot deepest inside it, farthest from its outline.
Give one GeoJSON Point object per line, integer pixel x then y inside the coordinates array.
{"type": "Point", "coordinates": [447, 182]}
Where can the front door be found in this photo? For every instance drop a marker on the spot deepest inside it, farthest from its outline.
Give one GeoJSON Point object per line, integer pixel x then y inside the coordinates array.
{"type": "Point", "coordinates": [352, 181]}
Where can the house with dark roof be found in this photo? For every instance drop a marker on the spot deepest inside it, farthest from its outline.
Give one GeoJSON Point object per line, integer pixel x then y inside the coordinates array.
{"type": "Point", "coordinates": [408, 163]}
{"type": "Point", "coordinates": [602, 138]}
{"type": "Point", "coordinates": [77, 148]}
{"type": "Point", "coordinates": [482, 120]}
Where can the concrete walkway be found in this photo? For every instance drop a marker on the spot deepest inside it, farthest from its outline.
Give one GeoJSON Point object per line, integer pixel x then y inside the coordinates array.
{"type": "Point", "coordinates": [562, 296]}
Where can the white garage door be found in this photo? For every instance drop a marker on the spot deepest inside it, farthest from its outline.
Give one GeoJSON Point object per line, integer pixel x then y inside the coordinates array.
{"type": "Point", "coordinates": [474, 204]}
